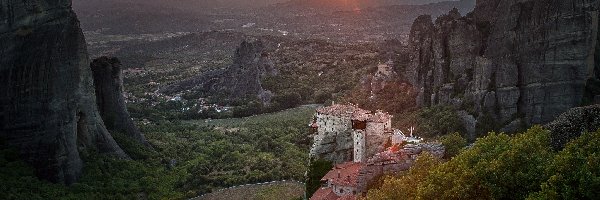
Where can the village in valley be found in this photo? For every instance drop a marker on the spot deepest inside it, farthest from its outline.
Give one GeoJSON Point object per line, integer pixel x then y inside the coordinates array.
{"type": "Point", "coordinates": [363, 146]}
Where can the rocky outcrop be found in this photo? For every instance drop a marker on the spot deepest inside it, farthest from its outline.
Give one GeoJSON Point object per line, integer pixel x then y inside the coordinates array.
{"type": "Point", "coordinates": [240, 80]}
{"type": "Point", "coordinates": [390, 162]}
{"type": "Point", "coordinates": [383, 90]}
{"type": "Point", "coordinates": [47, 102]}
{"type": "Point", "coordinates": [512, 62]}
{"type": "Point", "coordinates": [108, 81]}
{"type": "Point", "coordinates": [573, 123]}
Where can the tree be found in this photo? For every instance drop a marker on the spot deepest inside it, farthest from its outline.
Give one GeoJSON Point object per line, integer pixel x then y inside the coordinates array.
{"type": "Point", "coordinates": [453, 144]}
{"type": "Point", "coordinates": [405, 185]}
{"type": "Point", "coordinates": [287, 100]}
{"type": "Point", "coordinates": [440, 120]}
{"type": "Point", "coordinates": [496, 167]}
{"type": "Point", "coordinates": [575, 171]}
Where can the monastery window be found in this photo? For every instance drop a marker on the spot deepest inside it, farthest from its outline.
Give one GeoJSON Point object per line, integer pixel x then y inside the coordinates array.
{"type": "Point", "coordinates": [359, 124]}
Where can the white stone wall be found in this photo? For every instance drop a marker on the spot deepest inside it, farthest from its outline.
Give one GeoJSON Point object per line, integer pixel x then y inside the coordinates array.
{"type": "Point", "coordinates": [397, 139]}
{"type": "Point", "coordinates": [330, 123]}
{"type": "Point", "coordinates": [374, 128]}
{"type": "Point", "coordinates": [334, 139]}
{"type": "Point", "coordinates": [375, 138]}
{"type": "Point", "coordinates": [388, 125]}
{"type": "Point", "coordinates": [374, 144]}
{"type": "Point", "coordinates": [374, 170]}
{"type": "Point", "coordinates": [359, 146]}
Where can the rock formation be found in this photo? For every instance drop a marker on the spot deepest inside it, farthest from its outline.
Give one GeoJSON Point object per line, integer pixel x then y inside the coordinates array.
{"type": "Point", "coordinates": [108, 81]}
{"type": "Point", "coordinates": [385, 90]}
{"type": "Point", "coordinates": [573, 123]}
{"type": "Point", "coordinates": [515, 63]}
{"type": "Point", "coordinates": [240, 80]}
{"type": "Point", "coordinates": [47, 102]}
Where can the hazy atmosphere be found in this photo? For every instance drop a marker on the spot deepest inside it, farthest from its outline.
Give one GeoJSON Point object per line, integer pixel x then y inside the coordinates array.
{"type": "Point", "coordinates": [299, 99]}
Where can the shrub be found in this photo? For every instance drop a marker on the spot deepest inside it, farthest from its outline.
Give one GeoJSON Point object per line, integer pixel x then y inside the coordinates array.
{"type": "Point", "coordinates": [453, 144]}
{"type": "Point", "coordinates": [439, 120]}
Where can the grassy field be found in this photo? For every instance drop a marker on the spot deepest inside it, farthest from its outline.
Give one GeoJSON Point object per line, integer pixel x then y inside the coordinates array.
{"type": "Point", "coordinates": [302, 112]}
{"type": "Point", "coordinates": [270, 191]}
{"type": "Point", "coordinates": [220, 153]}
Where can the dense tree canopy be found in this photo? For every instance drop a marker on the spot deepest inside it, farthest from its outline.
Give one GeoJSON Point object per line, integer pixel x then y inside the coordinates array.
{"type": "Point", "coordinates": [575, 171]}
{"type": "Point", "coordinates": [500, 166]}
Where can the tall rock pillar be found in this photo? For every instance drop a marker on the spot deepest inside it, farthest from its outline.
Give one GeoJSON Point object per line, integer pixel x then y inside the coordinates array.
{"type": "Point", "coordinates": [47, 101]}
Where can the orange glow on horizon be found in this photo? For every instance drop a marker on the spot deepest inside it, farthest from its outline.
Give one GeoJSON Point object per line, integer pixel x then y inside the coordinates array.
{"type": "Point", "coordinates": [353, 4]}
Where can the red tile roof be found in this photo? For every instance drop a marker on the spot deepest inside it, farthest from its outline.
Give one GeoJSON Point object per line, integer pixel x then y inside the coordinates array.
{"type": "Point", "coordinates": [324, 194]}
{"type": "Point", "coordinates": [381, 117]}
{"type": "Point", "coordinates": [347, 197]}
{"type": "Point", "coordinates": [344, 174]}
{"type": "Point", "coordinates": [356, 113]}
{"type": "Point", "coordinates": [341, 110]}
{"type": "Point", "coordinates": [361, 115]}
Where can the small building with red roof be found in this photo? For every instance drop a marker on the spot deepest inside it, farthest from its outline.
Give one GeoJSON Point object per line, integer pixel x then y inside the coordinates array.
{"type": "Point", "coordinates": [342, 180]}
{"type": "Point", "coordinates": [324, 193]}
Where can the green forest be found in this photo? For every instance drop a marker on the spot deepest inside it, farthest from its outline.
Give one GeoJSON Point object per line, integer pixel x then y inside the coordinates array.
{"type": "Point", "coordinates": [188, 158]}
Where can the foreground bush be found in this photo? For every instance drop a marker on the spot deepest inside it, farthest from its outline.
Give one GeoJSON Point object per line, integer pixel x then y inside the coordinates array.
{"type": "Point", "coordinates": [575, 172]}
{"type": "Point", "coordinates": [500, 166]}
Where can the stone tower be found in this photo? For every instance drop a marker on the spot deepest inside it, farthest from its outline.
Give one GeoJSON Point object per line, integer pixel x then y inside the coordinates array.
{"type": "Point", "coordinates": [370, 132]}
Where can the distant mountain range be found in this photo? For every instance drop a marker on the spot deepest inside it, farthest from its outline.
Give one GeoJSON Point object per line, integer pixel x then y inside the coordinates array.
{"type": "Point", "coordinates": [361, 4]}
{"type": "Point", "coordinates": [199, 5]}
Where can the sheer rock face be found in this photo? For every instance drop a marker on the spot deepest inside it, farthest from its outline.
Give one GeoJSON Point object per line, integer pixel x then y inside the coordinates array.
{"type": "Point", "coordinates": [239, 80]}
{"type": "Point", "coordinates": [108, 81]}
{"type": "Point", "coordinates": [516, 61]}
{"type": "Point", "coordinates": [47, 102]}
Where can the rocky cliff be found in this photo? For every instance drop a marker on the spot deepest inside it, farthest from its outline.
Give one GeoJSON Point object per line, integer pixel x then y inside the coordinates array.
{"type": "Point", "coordinates": [240, 80]}
{"type": "Point", "coordinates": [47, 101]}
{"type": "Point", "coordinates": [108, 81]}
{"type": "Point", "coordinates": [509, 63]}
{"type": "Point", "coordinates": [383, 90]}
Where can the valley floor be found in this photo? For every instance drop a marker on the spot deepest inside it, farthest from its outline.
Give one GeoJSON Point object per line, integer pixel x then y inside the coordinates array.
{"type": "Point", "coordinates": [269, 190]}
